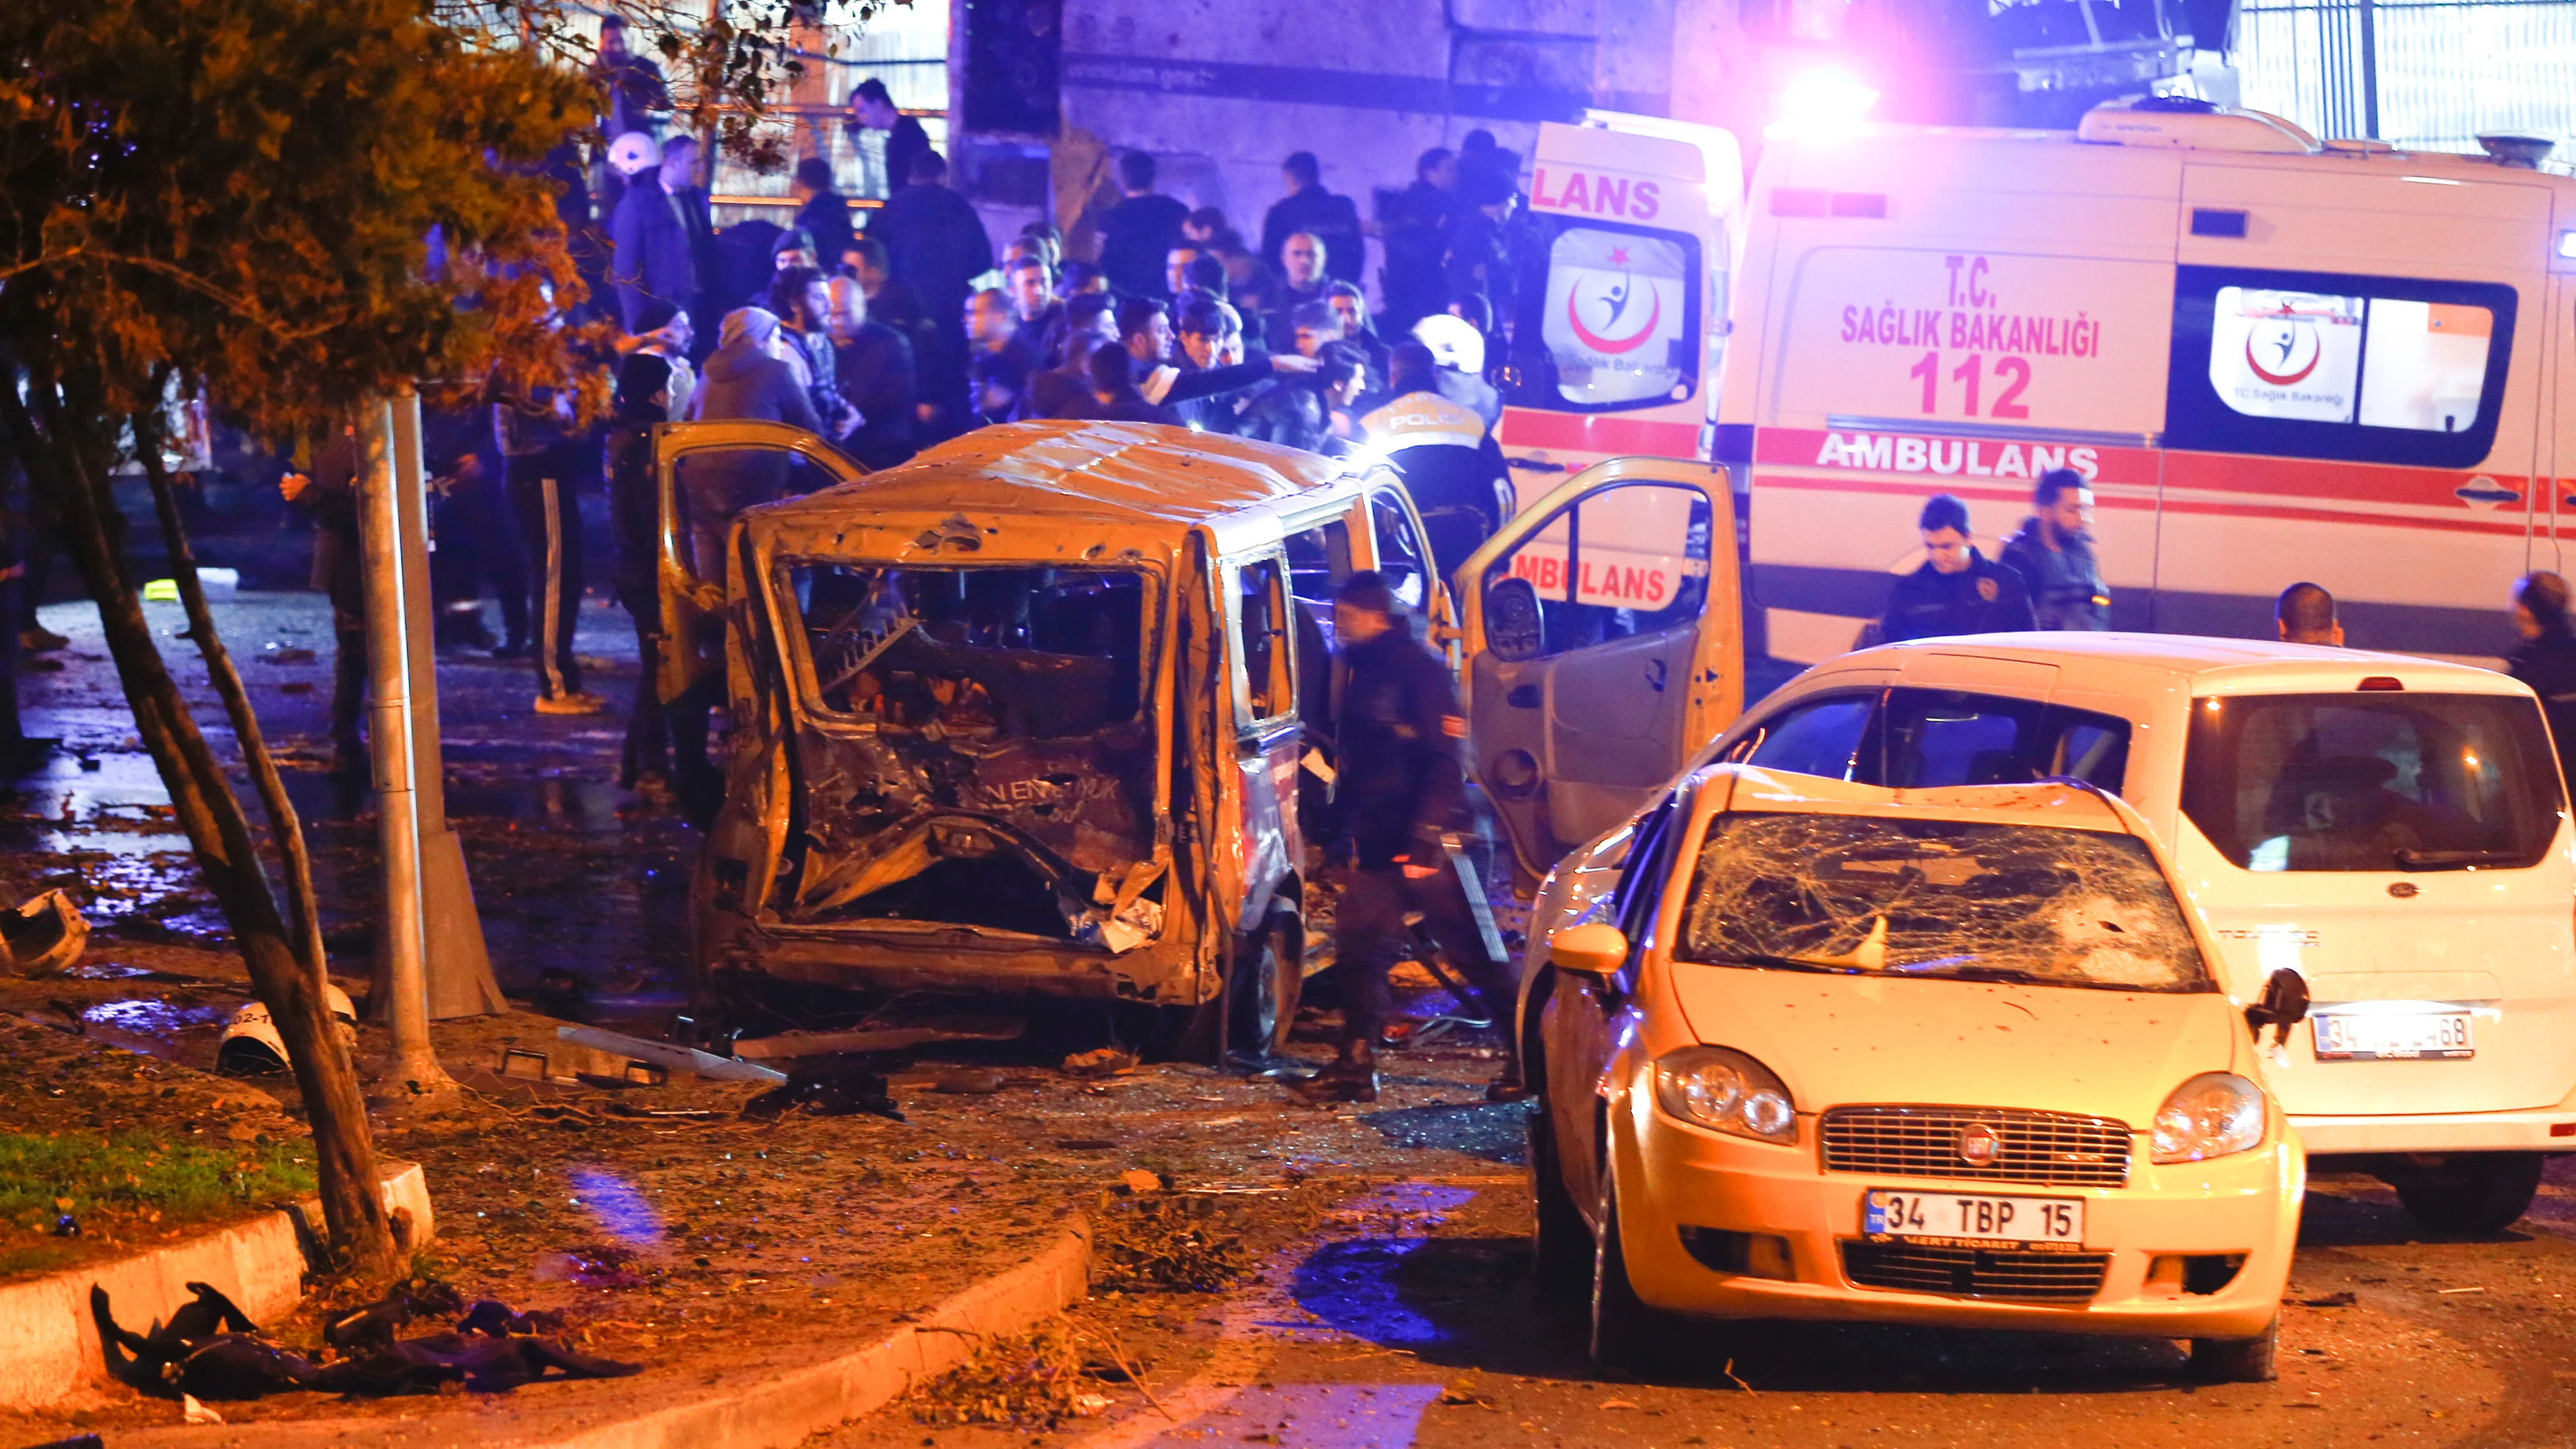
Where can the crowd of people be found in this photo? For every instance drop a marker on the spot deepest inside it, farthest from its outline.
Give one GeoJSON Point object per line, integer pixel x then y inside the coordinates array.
{"type": "Point", "coordinates": [889, 328]}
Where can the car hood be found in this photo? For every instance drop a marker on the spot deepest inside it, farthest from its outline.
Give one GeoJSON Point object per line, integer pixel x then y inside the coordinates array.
{"type": "Point", "coordinates": [1845, 1040]}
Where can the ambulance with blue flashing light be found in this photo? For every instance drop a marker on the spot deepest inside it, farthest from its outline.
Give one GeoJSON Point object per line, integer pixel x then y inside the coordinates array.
{"type": "Point", "coordinates": [2273, 358]}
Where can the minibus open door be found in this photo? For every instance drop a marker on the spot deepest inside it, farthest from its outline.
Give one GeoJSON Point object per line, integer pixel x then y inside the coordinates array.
{"type": "Point", "coordinates": [1604, 644]}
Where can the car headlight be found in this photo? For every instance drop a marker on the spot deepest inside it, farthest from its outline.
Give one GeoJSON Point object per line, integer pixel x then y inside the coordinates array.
{"type": "Point", "coordinates": [1728, 1091]}
{"type": "Point", "coordinates": [2212, 1115]}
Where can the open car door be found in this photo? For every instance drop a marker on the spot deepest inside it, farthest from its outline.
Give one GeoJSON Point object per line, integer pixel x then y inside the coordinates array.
{"type": "Point", "coordinates": [1604, 644]}
{"type": "Point", "coordinates": [703, 474]}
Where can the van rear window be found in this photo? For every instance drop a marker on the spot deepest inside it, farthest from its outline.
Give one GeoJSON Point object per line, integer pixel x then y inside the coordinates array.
{"type": "Point", "coordinates": [1617, 312]}
{"type": "Point", "coordinates": [2392, 782]}
{"type": "Point", "coordinates": [2319, 365]}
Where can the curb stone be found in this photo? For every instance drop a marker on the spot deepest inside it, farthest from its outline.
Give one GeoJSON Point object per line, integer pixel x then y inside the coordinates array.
{"type": "Point", "coordinates": [49, 1347]}
{"type": "Point", "coordinates": [778, 1410]}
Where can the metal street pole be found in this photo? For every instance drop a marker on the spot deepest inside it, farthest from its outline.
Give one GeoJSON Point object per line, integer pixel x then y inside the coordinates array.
{"type": "Point", "coordinates": [459, 968]}
{"type": "Point", "coordinates": [412, 1074]}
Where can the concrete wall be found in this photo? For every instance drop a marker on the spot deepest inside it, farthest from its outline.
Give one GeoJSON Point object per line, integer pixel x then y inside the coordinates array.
{"type": "Point", "coordinates": [1221, 90]}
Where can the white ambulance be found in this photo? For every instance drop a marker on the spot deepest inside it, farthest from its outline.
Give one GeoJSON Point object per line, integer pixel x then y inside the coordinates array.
{"type": "Point", "coordinates": [2275, 358]}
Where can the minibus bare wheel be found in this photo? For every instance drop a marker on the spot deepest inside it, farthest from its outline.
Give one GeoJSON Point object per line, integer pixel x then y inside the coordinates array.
{"type": "Point", "coordinates": [1262, 984]}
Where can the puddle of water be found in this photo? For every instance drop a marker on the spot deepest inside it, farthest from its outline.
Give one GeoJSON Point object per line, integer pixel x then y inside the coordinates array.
{"type": "Point", "coordinates": [1349, 1283]}
{"type": "Point", "coordinates": [147, 1016]}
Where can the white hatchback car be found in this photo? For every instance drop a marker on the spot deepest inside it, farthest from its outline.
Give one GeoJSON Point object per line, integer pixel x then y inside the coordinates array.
{"type": "Point", "coordinates": [2394, 829]}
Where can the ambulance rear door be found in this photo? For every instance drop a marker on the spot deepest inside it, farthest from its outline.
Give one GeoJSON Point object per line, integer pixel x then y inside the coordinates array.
{"type": "Point", "coordinates": [2355, 378]}
{"type": "Point", "coordinates": [1604, 645]}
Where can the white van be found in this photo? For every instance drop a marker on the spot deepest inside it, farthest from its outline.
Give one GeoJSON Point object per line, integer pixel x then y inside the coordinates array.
{"type": "Point", "coordinates": [2392, 829]}
{"type": "Point", "coordinates": [2275, 358]}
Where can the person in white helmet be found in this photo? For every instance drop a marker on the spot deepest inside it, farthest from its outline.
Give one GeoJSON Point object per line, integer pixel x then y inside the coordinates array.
{"type": "Point", "coordinates": [1459, 349]}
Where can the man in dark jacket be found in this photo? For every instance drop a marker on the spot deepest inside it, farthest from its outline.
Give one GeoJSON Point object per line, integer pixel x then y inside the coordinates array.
{"type": "Point", "coordinates": [2547, 659]}
{"type": "Point", "coordinates": [1400, 800]}
{"type": "Point", "coordinates": [872, 108]}
{"type": "Point", "coordinates": [1309, 208]}
{"type": "Point", "coordinates": [936, 245]}
{"type": "Point", "coordinates": [546, 457]}
{"type": "Point", "coordinates": [1417, 223]}
{"type": "Point", "coordinates": [1479, 262]}
{"type": "Point", "coordinates": [2053, 553]}
{"type": "Point", "coordinates": [1958, 590]}
{"type": "Point", "coordinates": [329, 491]}
{"type": "Point", "coordinates": [654, 259]}
{"type": "Point", "coordinates": [875, 368]}
{"type": "Point", "coordinates": [823, 213]}
{"type": "Point", "coordinates": [1138, 234]}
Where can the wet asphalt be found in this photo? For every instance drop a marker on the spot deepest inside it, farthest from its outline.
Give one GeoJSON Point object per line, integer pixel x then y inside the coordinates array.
{"type": "Point", "coordinates": [1406, 1315]}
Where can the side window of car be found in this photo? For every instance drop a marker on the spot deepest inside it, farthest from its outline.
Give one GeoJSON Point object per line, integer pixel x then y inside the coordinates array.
{"type": "Point", "coordinates": [1635, 898]}
{"type": "Point", "coordinates": [1938, 737]}
{"type": "Point", "coordinates": [1819, 737]}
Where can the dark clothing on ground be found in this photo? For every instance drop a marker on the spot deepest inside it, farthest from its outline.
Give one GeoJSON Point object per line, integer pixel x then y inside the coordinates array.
{"type": "Point", "coordinates": [1136, 238]}
{"type": "Point", "coordinates": [654, 258]}
{"type": "Point", "coordinates": [877, 377]}
{"type": "Point", "coordinates": [1332, 220]}
{"type": "Point", "coordinates": [2066, 588]}
{"type": "Point", "coordinates": [1983, 598]}
{"type": "Point", "coordinates": [2548, 665]}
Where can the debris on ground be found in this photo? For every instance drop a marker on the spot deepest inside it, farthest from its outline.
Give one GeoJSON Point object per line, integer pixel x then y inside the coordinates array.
{"type": "Point", "coordinates": [1107, 1061]}
{"type": "Point", "coordinates": [42, 936]}
{"type": "Point", "coordinates": [1031, 1380]}
{"type": "Point", "coordinates": [2343, 1299]}
{"type": "Point", "coordinates": [1176, 1242]}
{"type": "Point", "coordinates": [830, 1087]}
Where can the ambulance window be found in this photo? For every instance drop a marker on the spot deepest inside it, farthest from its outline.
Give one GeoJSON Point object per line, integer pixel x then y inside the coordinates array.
{"type": "Point", "coordinates": [1623, 561]}
{"type": "Point", "coordinates": [2319, 365]}
{"type": "Point", "coordinates": [1618, 317]}
{"type": "Point", "coordinates": [1261, 633]}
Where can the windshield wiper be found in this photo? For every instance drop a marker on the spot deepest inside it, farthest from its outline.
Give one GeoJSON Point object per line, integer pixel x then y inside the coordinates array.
{"type": "Point", "coordinates": [2441, 859]}
{"type": "Point", "coordinates": [1788, 963]}
{"type": "Point", "coordinates": [1988, 973]}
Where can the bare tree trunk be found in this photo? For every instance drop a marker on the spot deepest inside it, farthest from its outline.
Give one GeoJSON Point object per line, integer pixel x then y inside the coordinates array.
{"type": "Point", "coordinates": [305, 915]}
{"type": "Point", "coordinates": [71, 464]}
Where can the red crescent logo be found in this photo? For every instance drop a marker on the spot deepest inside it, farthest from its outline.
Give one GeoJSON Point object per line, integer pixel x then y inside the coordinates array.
{"type": "Point", "coordinates": [2283, 379]}
{"type": "Point", "coordinates": [1599, 343]}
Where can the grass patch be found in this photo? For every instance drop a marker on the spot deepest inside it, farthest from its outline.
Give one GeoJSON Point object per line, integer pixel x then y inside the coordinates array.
{"type": "Point", "coordinates": [39, 1258]}
{"type": "Point", "coordinates": [142, 1173]}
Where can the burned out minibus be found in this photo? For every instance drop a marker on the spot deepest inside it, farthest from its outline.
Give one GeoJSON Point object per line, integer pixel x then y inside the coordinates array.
{"type": "Point", "coordinates": [1025, 716]}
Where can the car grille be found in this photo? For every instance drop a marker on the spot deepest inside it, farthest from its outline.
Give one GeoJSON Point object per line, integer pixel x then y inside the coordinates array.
{"type": "Point", "coordinates": [1976, 1272]}
{"type": "Point", "coordinates": [2043, 1147]}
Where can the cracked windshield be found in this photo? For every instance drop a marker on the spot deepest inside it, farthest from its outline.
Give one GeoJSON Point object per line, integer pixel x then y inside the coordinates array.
{"type": "Point", "coordinates": [1941, 898]}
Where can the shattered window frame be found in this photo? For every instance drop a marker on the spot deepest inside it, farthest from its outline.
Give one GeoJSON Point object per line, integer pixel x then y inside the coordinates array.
{"type": "Point", "coordinates": [1281, 685]}
{"type": "Point", "coordinates": [1713, 899]}
{"type": "Point", "coordinates": [1153, 624]}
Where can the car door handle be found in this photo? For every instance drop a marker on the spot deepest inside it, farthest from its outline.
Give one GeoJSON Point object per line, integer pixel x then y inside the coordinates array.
{"type": "Point", "coordinates": [1655, 672]}
{"type": "Point", "coordinates": [1523, 696]}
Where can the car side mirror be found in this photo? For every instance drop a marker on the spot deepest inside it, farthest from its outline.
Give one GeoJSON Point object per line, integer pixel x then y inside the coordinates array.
{"type": "Point", "coordinates": [1514, 628]}
{"type": "Point", "coordinates": [1596, 949]}
{"type": "Point", "coordinates": [2283, 1004]}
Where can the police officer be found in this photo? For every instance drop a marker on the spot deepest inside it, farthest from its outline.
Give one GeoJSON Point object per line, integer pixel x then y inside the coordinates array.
{"type": "Point", "coordinates": [1401, 800]}
{"type": "Point", "coordinates": [1957, 590]}
{"type": "Point", "coordinates": [1451, 464]}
